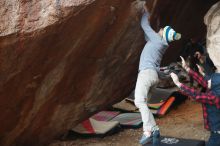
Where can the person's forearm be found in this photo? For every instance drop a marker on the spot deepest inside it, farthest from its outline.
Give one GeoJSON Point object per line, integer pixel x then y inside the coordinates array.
{"type": "Point", "coordinates": [146, 10]}
{"type": "Point", "coordinates": [178, 84]}
{"type": "Point", "coordinates": [147, 13]}
{"type": "Point", "coordinates": [145, 24]}
{"type": "Point", "coordinates": [206, 98]}
{"type": "Point", "coordinates": [200, 79]}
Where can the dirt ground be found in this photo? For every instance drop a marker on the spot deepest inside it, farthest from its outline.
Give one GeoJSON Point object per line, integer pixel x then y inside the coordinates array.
{"type": "Point", "coordinates": [183, 122]}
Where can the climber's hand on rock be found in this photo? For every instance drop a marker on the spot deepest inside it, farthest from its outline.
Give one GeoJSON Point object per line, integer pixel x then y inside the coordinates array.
{"type": "Point", "coordinates": [145, 7]}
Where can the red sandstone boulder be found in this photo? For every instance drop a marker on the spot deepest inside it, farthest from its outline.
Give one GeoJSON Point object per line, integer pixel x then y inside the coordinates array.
{"type": "Point", "coordinates": [62, 60]}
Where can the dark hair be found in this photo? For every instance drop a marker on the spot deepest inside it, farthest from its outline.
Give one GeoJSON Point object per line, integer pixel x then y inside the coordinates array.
{"type": "Point", "coordinates": [197, 48]}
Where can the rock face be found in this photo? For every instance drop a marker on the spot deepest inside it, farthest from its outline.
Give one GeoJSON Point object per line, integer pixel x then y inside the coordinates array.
{"type": "Point", "coordinates": [61, 61]}
{"type": "Point", "coordinates": [212, 20]}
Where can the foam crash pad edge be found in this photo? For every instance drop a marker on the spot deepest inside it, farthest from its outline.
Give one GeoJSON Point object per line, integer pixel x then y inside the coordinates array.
{"type": "Point", "coordinates": [172, 141]}
{"type": "Point", "coordinates": [165, 107]}
{"type": "Point", "coordinates": [92, 126]}
{"type": "Point", "coordinates": [105, 115]}
{"type": "Point", "coordinates": [125, 105]}
{"type": "Point", "coordinates": [132, 120]}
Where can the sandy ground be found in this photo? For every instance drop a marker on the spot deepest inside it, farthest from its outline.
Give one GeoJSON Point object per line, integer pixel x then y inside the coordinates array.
{"type": "Point", "coordinates": [184, 122]}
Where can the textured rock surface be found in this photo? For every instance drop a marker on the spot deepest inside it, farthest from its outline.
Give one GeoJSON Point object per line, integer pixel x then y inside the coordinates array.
{"type": "Point", "coordinates": [60, 61]}
{"type": "Point", "coordinates": [212, 20]}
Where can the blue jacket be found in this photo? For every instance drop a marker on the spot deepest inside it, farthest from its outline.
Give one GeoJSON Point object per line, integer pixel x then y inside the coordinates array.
{"type": "Point", "coordinates": [212, 111]}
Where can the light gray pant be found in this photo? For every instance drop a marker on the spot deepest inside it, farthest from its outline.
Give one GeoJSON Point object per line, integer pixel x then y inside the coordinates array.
{"type": "Point", "coordinates": [146, 79]}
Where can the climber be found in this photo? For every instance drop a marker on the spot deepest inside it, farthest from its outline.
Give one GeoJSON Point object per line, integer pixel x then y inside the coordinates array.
{"type": "Point", "coordinates": [150, 59]}
{"type": "Point", "coordinates": [210, 99]}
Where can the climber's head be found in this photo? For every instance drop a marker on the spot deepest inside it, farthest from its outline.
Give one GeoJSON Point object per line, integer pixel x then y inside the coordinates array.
{"type": "Point", "coordinates": [169, 34]}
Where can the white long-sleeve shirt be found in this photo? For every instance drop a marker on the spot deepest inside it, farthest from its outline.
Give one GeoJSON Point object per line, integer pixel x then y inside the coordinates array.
{"type": "Point", "coordinates": [154, 49]}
